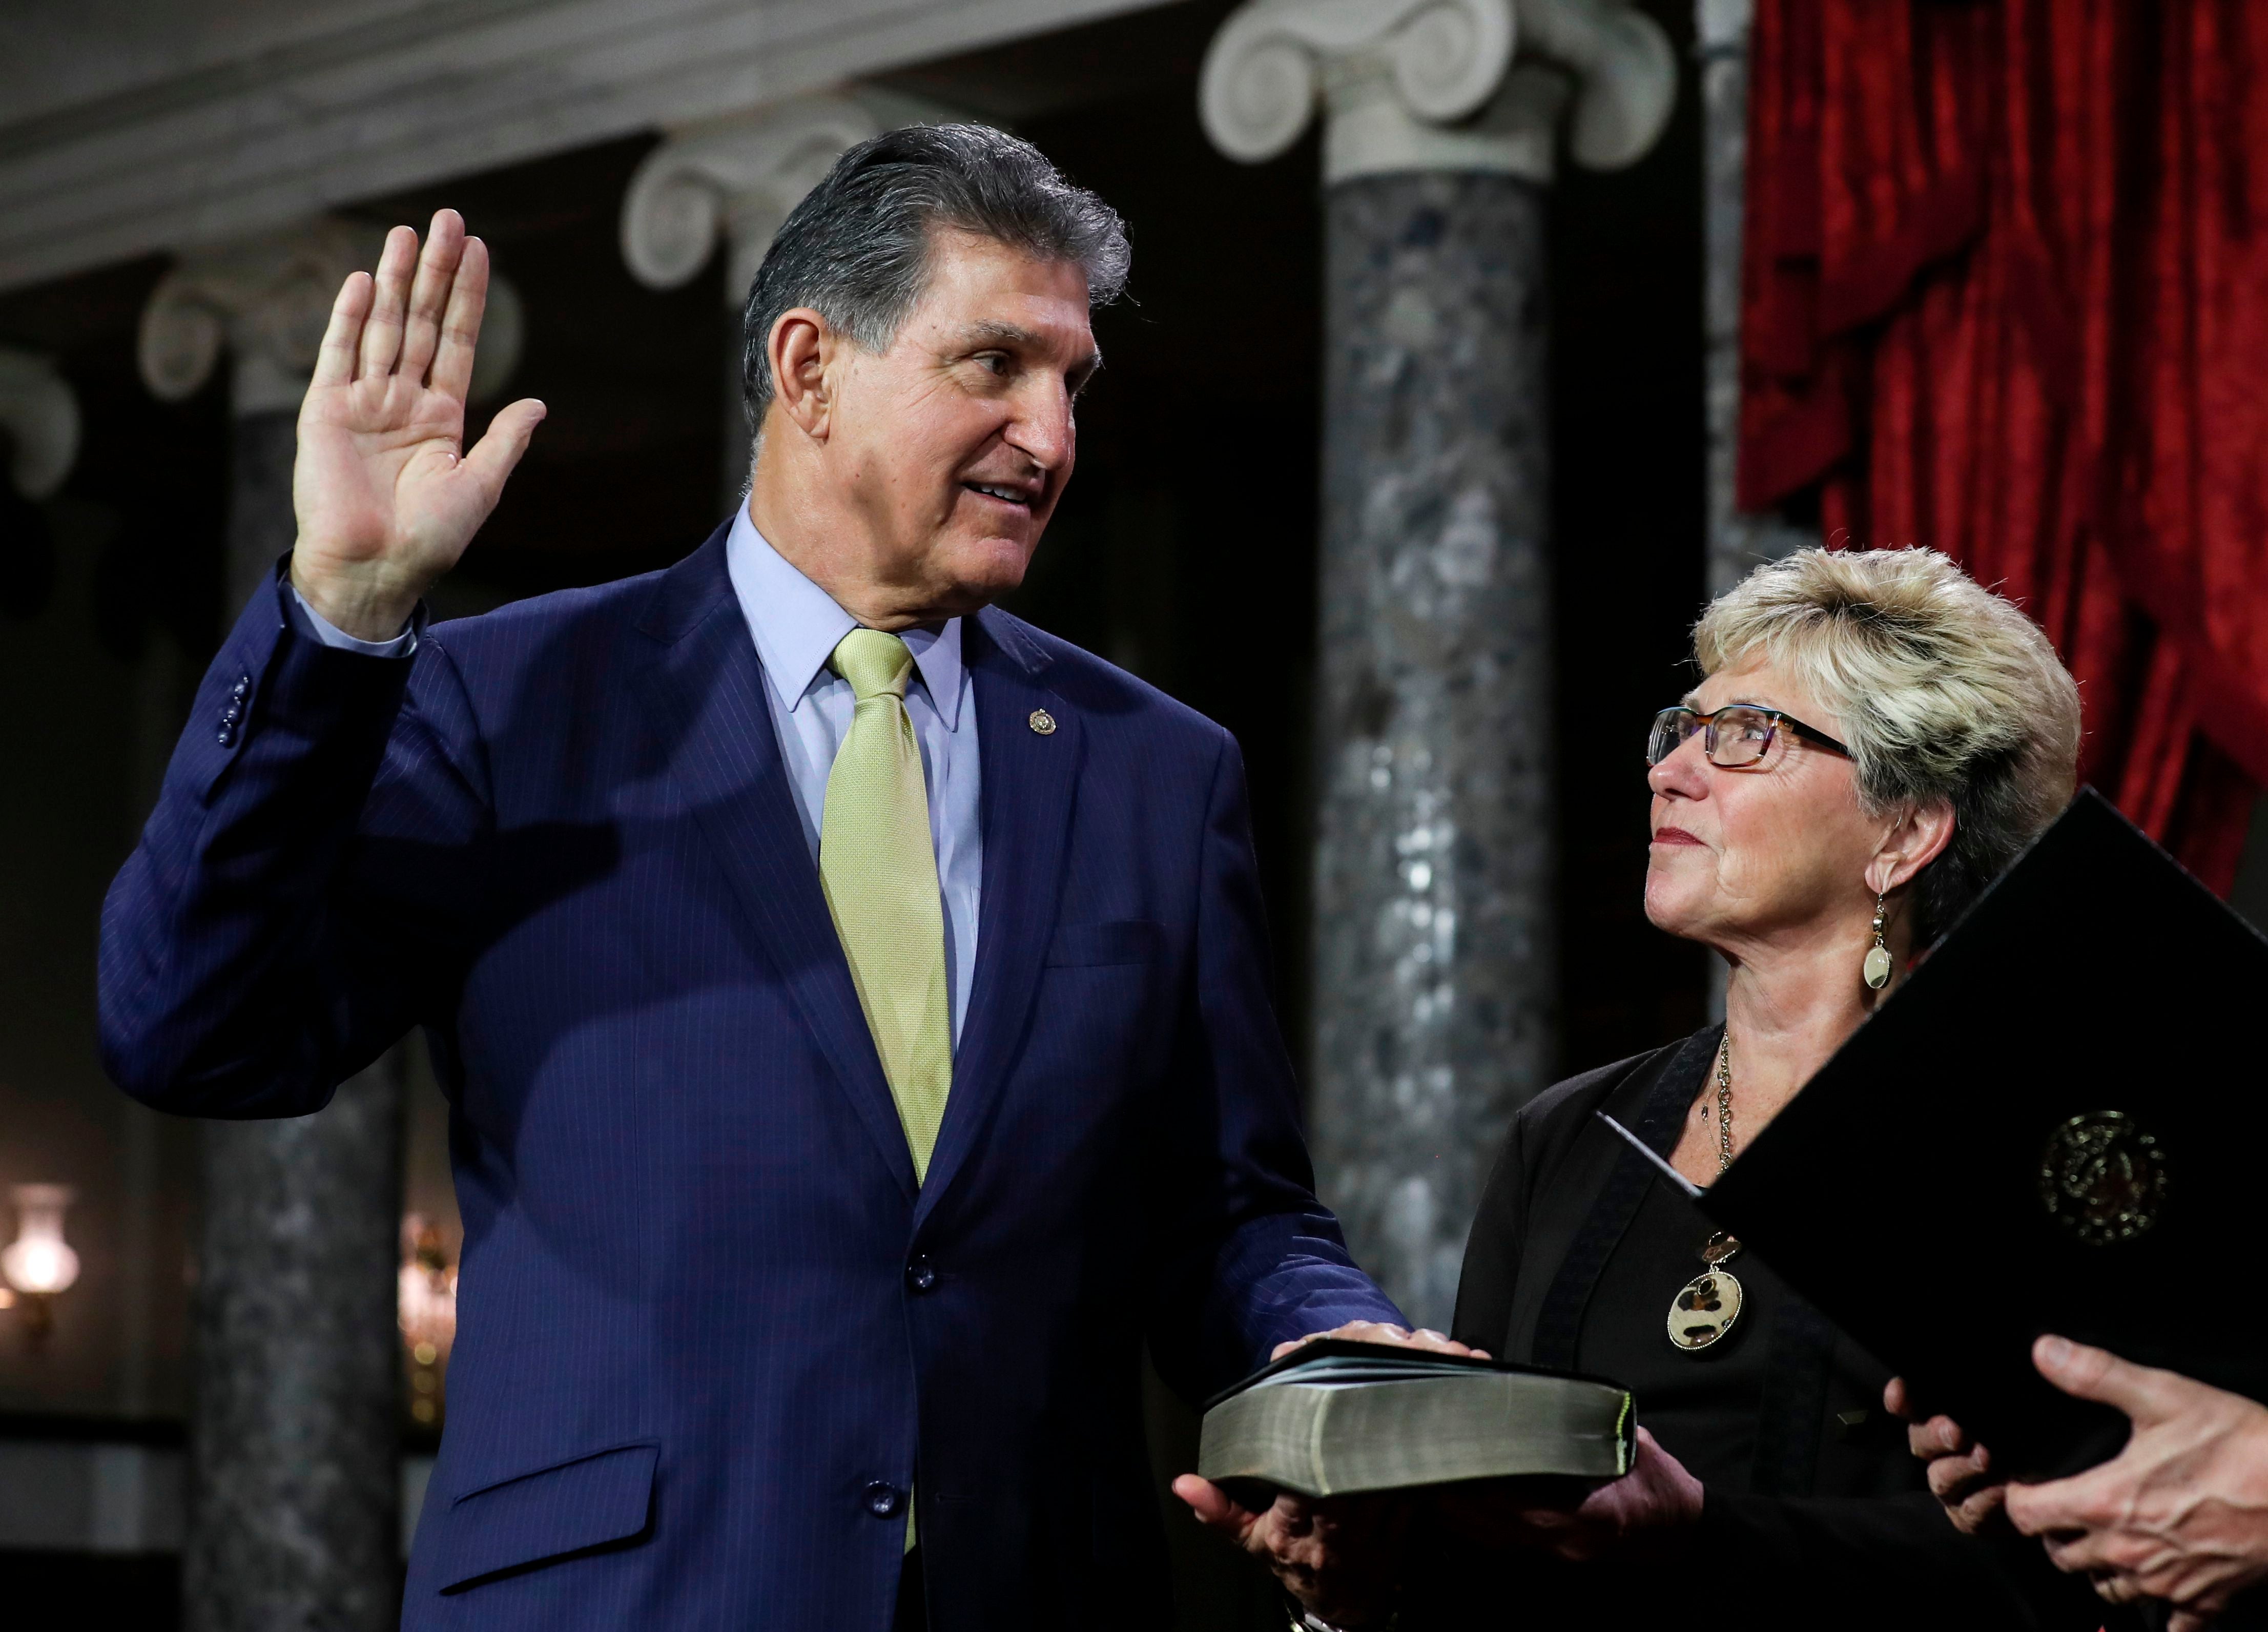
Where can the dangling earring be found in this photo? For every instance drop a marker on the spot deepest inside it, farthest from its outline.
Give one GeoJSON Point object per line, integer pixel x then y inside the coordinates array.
{"type": "Point", "coordinates": [1877, 967]}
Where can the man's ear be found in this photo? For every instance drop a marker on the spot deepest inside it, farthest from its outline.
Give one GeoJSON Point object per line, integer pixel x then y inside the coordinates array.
{"type": "Point", "coordinates": [1918, 838]}
{"type": "Point", "coordinates": [802, 346]}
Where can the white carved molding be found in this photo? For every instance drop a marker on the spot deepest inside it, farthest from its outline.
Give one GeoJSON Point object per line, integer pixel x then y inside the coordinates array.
{"type": "Point", "coordinates": [1439, 84]}
{"type": "Point", "coordinates": [265, 301]}
{"type": "Point", "coordinates": [40, 412]}
{"type": "Point", "coordinates": [735, 180]}
{"type": "Point", "coordinates": [126, 129]}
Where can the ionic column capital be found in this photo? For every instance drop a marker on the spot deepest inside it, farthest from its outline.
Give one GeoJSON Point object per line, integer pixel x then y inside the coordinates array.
{"type": "Point", "coordinates": [736, 179]}
{"type": "Point", "coordinates": [265, 301]}
{"type": "Point", "coordinates": [40, 412]}
{"type": "Point", "coordinates": [1439, 84]}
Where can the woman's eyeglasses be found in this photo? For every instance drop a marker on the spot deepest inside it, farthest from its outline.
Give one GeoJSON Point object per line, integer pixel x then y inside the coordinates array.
{"type": "Point", "coordinates": [1739, 734]}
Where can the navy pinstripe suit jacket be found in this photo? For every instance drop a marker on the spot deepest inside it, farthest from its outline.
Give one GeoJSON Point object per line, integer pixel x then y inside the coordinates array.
{"type": "Point", "coordinates": [705, 1310]}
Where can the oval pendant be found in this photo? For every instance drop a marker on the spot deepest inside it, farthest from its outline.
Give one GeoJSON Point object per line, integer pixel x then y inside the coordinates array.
{"type": "Point", "coordinates": [1705, 1310]}
{"type": "Point", "coordinates": [1877, 967]}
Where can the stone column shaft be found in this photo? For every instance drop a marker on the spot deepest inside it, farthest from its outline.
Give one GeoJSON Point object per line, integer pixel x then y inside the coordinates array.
{"type": "Point", "coordinates": [1436, 950]}
{"type": "Point", "coordinates": [1436, 962]}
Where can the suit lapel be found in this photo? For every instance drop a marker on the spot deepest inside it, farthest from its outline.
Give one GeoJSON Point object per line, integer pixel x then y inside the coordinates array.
{"type": "Point", "coordinates": [704, 693]}
{"type": "Point", "coordinates": [1029, 781]}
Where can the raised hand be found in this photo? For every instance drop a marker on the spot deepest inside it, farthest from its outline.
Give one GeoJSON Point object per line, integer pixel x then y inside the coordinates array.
{"type": "Point", "coordinates": [386, 499]}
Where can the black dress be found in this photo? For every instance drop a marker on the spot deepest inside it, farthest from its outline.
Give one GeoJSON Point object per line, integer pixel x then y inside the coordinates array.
{"type": "Point", "coordinates": [1815, 1514]}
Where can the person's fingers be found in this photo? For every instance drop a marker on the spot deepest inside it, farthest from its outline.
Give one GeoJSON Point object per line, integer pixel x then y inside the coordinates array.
{"type": "Point", "coordinates": [2141, 1392]}
{"type": "Point", "coordinates": [1975, 1510]}
{"type": "Point", "coordinates": [334, 363]}
{"type": "Point", "coordinates": [2188, 1621]}
{"type": "Point", "coordinates": [1214, 1507]}
{"type": "Point", "coordinates": [2036, 1509]}
{"type": "Point", "coordinates": [460, 324]}
{"type": "Point", "coordinates": [1898, 1400]}
{"type": "Point", "coordinates": [1941, 1435]}
{"type": "Point", "coordinates": [1439, 1342]}
{"type": "Point", "coordinates": [428, 293]}
{"type": "Point", "coordinates": [381, 332]}
{"type": "Point", "coordinates": [1952, 1478]}
{"type": "Point", "coordinates": [495, 454]}
{"type": "Point", "coordinates": [2117, 1589]}
{"type": "Point", "coordinates": [2077, 1552]}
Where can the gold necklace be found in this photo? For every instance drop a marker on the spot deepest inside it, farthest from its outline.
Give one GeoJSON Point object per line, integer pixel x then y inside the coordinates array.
{"type": "Point", "coordinates": [1706, 1306]}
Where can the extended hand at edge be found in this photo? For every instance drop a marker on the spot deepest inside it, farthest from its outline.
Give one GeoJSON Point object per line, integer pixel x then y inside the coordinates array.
{"type": "Point", "coordinates": [2181, 1514]}
{"type": "Point", "coordinates": [386, 499]}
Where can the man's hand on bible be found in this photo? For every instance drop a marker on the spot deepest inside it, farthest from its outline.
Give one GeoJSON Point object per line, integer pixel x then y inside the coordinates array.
{"type": "Point", "coordinates": [1960, 1472]}
{"type": "Point", "coordinates": [387, 500]}
{"type": "Point", "coordinates": [1643, 1510]}
{"type": "Point", "coordinates": [2181, 1514]}
{"type": "Point", "coordinates": [1378, 1332]}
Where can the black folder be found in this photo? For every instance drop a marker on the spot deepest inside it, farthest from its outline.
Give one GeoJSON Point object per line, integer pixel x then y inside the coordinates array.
{"type": "Point", "coordinates": [2058, 1122]}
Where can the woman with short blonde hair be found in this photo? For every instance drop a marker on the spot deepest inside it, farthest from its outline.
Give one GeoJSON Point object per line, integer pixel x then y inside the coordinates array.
{"type": "Point", "coordinates": [1873, 738]}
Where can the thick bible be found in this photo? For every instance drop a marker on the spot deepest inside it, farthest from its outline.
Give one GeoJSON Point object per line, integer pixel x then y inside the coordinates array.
{"type": "Point", "coordinates": [1334, 1417]}
{"type": "Point", "coordinates": [2057, 1124]}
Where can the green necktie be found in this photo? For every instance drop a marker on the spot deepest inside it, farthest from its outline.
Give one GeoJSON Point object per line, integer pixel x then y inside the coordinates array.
{"type": "Point", "coordinates": [878, 870]}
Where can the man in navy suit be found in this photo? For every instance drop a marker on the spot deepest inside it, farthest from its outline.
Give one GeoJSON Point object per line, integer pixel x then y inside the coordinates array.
{"type": "Point", "coordinates": [852, 1000]}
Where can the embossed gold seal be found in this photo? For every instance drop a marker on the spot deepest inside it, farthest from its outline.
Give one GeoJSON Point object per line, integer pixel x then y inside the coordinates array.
{"type": "Point", "coordinates": [2103, 1178]}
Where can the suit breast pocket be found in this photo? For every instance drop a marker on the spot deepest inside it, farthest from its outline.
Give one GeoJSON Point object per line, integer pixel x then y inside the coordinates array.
{"type": "Point", "coordinates": [1096, 945]}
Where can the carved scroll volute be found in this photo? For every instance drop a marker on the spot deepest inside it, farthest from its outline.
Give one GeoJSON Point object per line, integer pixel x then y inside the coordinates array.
{"type": "Point", "coordinates": [1625, 73]}
{"type": "Point", "coordinates": [38, 411]}
{"type": "Point", "coordinates": [1264, 72]}
{"type": "Point", "coordinates": [737, 180]}
{"type": "Point", "coordinates": [1440, 84]}
{"type": "Point", "coordinates": [265, 301]}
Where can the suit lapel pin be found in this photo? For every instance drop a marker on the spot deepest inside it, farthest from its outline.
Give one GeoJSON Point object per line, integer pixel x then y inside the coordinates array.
{"type": "Point", "coordinates": [1044, 722]}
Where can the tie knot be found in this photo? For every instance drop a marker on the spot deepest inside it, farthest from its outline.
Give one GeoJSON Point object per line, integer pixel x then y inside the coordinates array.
{"type": "Point", "coordinates": [875, 662]}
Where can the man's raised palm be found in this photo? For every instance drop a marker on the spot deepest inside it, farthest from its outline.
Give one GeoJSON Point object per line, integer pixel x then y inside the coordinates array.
{"type": "Point", "coordinates": [386, 501]}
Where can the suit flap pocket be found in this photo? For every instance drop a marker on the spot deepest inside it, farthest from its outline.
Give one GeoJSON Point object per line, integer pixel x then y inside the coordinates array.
{"type": "Point", "coordinates": [576, 1506]}
{"type": "Point", "coordinates": [1129, 940]}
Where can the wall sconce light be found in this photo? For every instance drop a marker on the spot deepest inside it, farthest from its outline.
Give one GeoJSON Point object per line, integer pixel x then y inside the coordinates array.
{"type": "Point", "coordinates": [428, 1305]}
{"type": "Point", "coordinates": [39, 1263]}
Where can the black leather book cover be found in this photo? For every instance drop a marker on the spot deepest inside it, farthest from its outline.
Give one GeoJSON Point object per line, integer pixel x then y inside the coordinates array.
{"type": "Point", "coordinates": [2055, 1124]}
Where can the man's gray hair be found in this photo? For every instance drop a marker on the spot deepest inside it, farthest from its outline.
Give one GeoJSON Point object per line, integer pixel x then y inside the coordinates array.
{"type": "Point", "coordinates": [1944, 691]}
{"type": "Point", "coordinates": [858, 249]}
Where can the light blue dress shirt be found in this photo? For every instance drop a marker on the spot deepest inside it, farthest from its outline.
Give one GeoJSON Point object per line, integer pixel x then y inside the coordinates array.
{"type": "Point", "coordinates": [797, 627]}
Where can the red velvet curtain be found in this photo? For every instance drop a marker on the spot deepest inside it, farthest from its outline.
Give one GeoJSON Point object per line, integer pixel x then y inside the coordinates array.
{"type": "Point", "coordinates": [2006, 295]}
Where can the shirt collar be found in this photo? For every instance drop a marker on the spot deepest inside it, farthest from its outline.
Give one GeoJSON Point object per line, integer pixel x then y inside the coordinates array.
{"type": "Point", "coordinates": [798, 626]}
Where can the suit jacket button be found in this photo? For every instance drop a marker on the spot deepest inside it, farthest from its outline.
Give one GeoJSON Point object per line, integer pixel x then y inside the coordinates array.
{"type": "Point", "coordinates": [921, 1275]}
{"type": "Point", "coordinates": [884, 1501]}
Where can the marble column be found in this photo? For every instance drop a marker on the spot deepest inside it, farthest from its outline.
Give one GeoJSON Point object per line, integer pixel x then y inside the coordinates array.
{"type": "Point", "coordinates": [1436, 946]}
{"type": "Point", "coordinates": [1737, 541]}
{"type": "Point", "coordinates": [295, 1484]}
{"type": "Point", "coordinates": [733, 181]}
